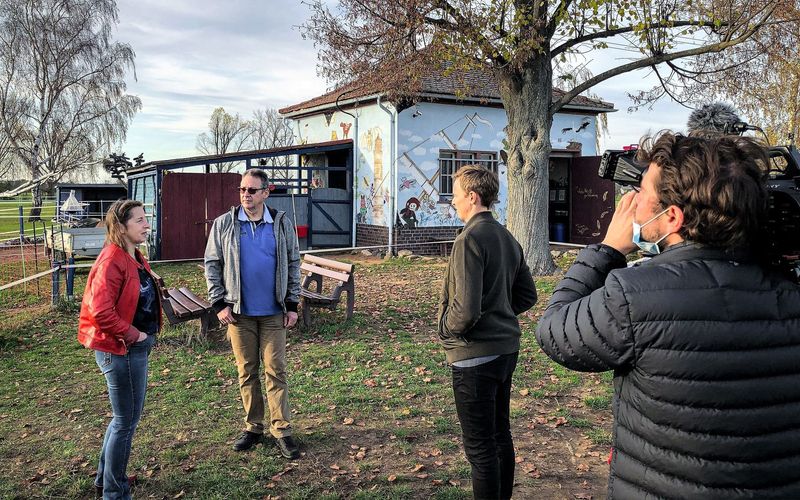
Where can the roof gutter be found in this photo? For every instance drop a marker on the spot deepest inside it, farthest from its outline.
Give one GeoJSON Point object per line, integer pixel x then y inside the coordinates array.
{"type": "Point", "coordinates": [431, 95]}
{"type": "Point", "coordinates": [336, 104]}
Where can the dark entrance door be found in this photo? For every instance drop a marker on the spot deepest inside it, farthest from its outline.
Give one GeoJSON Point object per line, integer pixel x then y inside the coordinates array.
{"type": "Point", "coordinates": [189, 204]}
{"type": "Point", "coordinates": [330, 218]}
{"type": "Point", "coordinates": [592, 201]}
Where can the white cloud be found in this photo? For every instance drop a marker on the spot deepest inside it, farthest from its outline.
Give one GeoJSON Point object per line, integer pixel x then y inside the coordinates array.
{"type": "Point", "coordinates": [195, 55]}
{"type": "Point", "coordinates": [420, 151]}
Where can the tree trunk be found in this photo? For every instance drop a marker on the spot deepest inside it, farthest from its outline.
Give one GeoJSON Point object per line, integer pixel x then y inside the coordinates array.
{"type": "Point", "coordinates": [527, 95]}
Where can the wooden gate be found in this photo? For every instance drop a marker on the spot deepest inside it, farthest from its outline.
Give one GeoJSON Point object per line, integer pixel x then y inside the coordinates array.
{"type": "Point", "coordinates": [189, 204]}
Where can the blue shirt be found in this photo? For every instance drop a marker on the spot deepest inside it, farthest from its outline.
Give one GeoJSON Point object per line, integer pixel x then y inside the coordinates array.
{"type": "Point", "coordinates": [258, 264]}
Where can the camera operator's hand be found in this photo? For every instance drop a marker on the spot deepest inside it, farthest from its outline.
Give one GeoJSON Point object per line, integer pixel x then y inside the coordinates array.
{"type": "Point", "coordinates": [620, 231]}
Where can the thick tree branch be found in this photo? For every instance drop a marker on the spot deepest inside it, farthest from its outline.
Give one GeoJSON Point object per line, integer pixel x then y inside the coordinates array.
{"type": "Point", "coordinates": [621, 31]}
{"type": "Point", "coordinates": [647, 62]}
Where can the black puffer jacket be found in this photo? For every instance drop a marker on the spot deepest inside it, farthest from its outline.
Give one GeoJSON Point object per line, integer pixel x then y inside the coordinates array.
{"type": "Point", "coordinates": [706, 358]}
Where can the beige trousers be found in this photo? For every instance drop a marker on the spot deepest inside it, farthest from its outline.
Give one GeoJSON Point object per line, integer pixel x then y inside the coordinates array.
{"type": "Point", "coordinates": [256, 340]}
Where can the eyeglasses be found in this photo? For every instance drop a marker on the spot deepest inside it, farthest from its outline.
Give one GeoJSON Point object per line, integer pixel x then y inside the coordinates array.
{"type": "Point", "coordinates": [250, 190]}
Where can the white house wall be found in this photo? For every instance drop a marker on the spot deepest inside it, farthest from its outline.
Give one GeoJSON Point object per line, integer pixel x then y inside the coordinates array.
{"type": "Point", "coordinates": [422, 131]}
{"type": "Point", "coordinates": [372, 193]}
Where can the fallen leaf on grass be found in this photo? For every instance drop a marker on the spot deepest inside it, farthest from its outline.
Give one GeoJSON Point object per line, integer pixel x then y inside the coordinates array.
{"type": "Point", "coordinates": [180, 495]}
{"type": "Point", "coordinates": [348, 421]}
{"type": "Point", "coordinates": [418, 467]}
{"type": "Point", "coordinates": [524, 392]}
{"type": "Point", "coordinates": [392, 478]}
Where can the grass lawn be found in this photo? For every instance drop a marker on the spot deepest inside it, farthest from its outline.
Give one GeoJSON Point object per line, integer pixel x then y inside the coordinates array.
{"type": "Point", "coordinates": [9, 216]}
{"type": "Point", "coordinates": [371, 399]}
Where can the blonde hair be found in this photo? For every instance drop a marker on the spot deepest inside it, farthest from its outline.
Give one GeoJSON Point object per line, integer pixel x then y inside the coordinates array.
{"type": "Point", "coordinates": [119, 213]}
{"type": "Point", "coordinates": [481, 180]}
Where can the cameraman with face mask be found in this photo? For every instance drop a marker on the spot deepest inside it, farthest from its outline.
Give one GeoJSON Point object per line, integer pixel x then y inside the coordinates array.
{"type": "Point", "coordinates": [703, 341]}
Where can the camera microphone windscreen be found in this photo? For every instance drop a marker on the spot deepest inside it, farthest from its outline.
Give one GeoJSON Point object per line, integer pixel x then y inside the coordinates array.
{"type": "Point", "coordinates": [717, 117]}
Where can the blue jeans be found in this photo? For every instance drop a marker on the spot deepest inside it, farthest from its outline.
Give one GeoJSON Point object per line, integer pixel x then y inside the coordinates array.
{"type": "Point", "coordinates": [126, 377]}
{"type": "Point", "coordinates": [483, 398]}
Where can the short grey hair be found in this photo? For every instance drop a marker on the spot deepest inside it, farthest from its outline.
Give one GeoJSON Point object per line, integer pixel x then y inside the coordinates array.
{"type": "Point", "coordinates": [258, 174]}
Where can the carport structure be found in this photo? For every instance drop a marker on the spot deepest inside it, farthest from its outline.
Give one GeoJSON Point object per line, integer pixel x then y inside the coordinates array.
{"type": "Point", "coordinates": [315, 190]}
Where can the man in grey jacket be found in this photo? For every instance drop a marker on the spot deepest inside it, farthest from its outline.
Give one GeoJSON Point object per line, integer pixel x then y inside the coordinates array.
{"type": "Point", "coordinates": [704, 342]}
{"type": "Point", "coordinates": [487, 285]}
{"type": "Point", "coordinates": [252, 266]}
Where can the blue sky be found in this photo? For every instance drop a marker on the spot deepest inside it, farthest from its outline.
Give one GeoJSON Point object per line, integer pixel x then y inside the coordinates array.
{"type": "Point", "coordinates": [243, 55]}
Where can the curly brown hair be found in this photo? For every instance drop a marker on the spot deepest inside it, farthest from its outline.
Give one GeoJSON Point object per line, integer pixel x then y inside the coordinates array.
{"type": "Point", "coordinates": [718, 182]}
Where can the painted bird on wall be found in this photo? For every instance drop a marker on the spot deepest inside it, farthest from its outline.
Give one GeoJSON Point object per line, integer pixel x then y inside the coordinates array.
{"type": "Point", "coordinates": [345, 128]}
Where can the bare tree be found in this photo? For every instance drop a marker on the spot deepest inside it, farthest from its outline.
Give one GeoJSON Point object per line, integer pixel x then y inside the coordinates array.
{"type": "Point", "coordinates": [269, 131]}
{"type": "Point", "coordinates": [394, 43]}
{"type": "Point", "coordinates": [226, 134]}
{"type": "Point", "coordinates": [63, 100]}
{"type": "Point", "coordinates": [761, 79]}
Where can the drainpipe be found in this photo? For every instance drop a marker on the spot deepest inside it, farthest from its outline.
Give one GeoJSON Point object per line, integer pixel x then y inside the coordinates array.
{"type": "Point", "coordinates": [355, 168]}
{"type": "Point", "coordinates": [392, 174]}
{"type": "Point", "coordinates": [286, 123]}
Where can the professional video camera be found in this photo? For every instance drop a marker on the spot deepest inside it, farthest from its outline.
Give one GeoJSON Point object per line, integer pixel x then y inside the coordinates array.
{"type": "Point", "coordinates": [783, 184]}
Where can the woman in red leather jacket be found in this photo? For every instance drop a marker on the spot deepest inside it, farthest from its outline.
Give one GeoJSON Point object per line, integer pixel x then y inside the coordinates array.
{"type": "Point", "coordinates": [120, 317]}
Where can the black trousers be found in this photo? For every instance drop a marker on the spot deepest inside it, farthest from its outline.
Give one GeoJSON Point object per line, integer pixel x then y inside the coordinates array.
{"type": "Point", "coordinates": [483, 395]}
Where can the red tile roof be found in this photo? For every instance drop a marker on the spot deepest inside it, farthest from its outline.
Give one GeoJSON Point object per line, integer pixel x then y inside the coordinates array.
{"type": "Point", "coordinates": [479, 85]}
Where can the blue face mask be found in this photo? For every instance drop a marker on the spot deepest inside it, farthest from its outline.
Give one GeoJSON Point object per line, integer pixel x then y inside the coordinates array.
{"type": "Point", "coordinates": [650, 247]}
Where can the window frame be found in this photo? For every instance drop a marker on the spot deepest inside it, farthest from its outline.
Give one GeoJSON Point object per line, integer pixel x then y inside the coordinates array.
{"type": "Point", "coordinates": [449, 165]}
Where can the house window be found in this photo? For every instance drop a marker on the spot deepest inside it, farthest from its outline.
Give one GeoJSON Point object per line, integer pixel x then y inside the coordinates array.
{"type": "Point", "coordinates": [450, 161]}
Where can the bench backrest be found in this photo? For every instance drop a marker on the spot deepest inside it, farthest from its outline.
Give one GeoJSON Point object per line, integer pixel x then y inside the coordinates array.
{"type": "Point", "coordinates": [326, 267]}
{"type": "Point", "coordinates": [181, 300]}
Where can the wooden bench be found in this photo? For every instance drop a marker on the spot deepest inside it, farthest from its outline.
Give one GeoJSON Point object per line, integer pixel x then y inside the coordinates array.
{"type": "Point", "coordinates": [317, 268]}
{"type": "Point", "coordinates": [180, 304]}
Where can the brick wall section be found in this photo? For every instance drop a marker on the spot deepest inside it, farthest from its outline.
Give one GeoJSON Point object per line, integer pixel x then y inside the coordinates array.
{"type": "Point", "coordinates": [409, 239]}
{"type": "Point", "coordinates": [368, 235]}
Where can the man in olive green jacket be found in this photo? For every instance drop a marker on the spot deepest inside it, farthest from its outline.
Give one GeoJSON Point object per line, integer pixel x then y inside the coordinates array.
{"type": "Point", "coordinates": [487, 285]}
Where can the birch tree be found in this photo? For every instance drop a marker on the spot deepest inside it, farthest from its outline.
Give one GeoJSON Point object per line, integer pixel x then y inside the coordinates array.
{"type": "Point", "coordinates": [63, 97]}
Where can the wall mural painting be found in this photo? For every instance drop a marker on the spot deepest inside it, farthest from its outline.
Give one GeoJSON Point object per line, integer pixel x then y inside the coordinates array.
{"type": "Point", "coordinates": [419, 201]}
{"type": "Point", "coordinates": [373, 197]}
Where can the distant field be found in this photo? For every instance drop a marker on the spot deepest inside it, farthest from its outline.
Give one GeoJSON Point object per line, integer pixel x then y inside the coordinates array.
{"type": "Point", "coordinates": [9, 216]}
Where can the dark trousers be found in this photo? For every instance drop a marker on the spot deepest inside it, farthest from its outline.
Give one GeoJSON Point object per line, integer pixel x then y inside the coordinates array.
{"type": "Point", "coordinates": [483, 395]}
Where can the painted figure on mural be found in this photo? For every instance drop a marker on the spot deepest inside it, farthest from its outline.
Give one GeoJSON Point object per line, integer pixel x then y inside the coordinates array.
{"type": "Point", "coordinates": [409, 214]}
{"type": "Point", "coordinates": [407, 183]}
{"type": "Point", "coordinates": [361, 217]}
